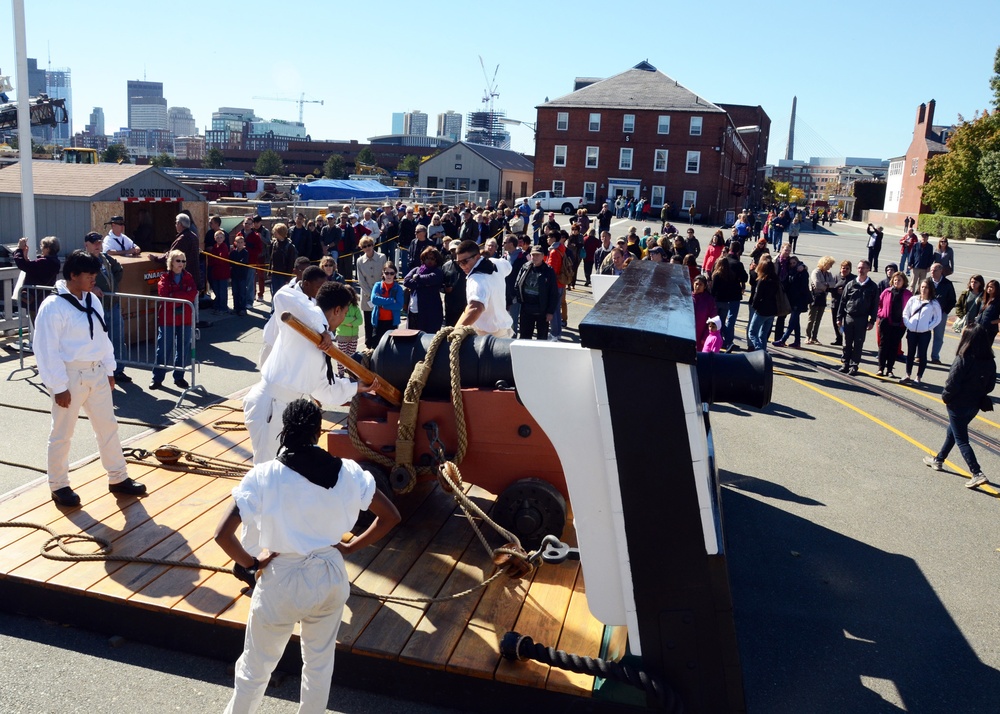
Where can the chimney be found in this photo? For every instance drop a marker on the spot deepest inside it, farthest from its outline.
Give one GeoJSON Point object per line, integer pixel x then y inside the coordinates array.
{"type": "Point", "coordinates": [930, 117]}
{"type": "Point", "coordinates": [921, 110]}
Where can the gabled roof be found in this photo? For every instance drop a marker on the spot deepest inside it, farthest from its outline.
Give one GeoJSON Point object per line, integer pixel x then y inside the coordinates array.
{"type": "Point", "coordinates": [52, 178]}
{"type": "Point", "coordinates": [503, 159]}
{"type": "Point", "coordinates": [642, 87]}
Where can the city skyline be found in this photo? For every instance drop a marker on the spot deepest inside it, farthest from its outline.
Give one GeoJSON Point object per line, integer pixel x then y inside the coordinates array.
{"type": "Point", "coordinates": [856, 94]}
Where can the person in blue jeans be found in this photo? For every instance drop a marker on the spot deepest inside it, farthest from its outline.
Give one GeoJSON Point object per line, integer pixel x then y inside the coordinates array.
{"type": "Point", "coordinates": [764, 303]}
{"type": "Point", "coordinates": [176, 320]}
{"type": "Point", "coordinates": [971, 378]}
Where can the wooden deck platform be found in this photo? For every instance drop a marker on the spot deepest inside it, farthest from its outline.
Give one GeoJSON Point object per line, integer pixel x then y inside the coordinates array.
{"type": "Point", "coordinates": [447, 652]}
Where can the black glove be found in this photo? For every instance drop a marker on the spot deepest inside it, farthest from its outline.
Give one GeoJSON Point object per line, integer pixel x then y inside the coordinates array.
{"type": "Point", "coordinates": [247, 575]}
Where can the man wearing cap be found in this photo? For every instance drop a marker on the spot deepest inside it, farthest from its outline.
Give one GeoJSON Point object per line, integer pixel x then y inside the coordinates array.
{"type": "Point", "coordinates": [537, 293]}
{"type": "Point", "coordinates": [263, 258]}
{"type": "Point", "coordinates": [76, 362]}
{"type": "Point", "coordinates": [107, 282]}
{"type": "Point", "coordinates": [187, 243]}
{"type": "Point", "coordinates": [485, 291]}
{"type": "Point", "coordinates": [116, 242]}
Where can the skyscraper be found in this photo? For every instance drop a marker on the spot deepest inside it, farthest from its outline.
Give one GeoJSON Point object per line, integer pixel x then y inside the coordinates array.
{"type": "Point", "coordinates": [147, 109]}
{"type": "Point", "coordinates": [181, 122]}
{"type": "Point", "coordinates": [397, 122]}
{"type": "Point", "coordinates": [450, 125]}
{"type": "Point", "coordinates": [415, 123]}
{"type": "Point", "coordinates": [95, 125]}
{"type": "Point", "coordinates": [57, 84]}
{"type": "Point", "coordinates": [485, 128]}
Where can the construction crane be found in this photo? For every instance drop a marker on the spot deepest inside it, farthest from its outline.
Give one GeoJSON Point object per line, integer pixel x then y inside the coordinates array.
{"type": "Point", "coordinates": [301, 101]}
{"type": "Point", "coordinates": [490, 93]}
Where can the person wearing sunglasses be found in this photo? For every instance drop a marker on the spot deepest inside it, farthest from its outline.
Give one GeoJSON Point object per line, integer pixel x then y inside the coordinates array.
{"type": "Point", "coordinates": [173, 334]}
{"type": "Point", "coordinates": [485, 291]}
{"type": "Point", "coordinates": [387, 298]}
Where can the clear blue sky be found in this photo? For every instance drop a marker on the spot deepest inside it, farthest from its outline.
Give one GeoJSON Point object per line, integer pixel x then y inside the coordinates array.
{"type": "Point", "coordinates": [859, 69]}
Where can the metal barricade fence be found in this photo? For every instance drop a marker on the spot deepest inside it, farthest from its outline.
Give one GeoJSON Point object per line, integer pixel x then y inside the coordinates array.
{"type": "Point", "coordinates": [139, 332]}
{"type": "Point", "coordinates": [8, 301]}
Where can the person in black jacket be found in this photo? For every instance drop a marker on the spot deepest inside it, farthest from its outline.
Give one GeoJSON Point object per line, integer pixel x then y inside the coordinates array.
{"type": "Point", "coordinates": [836, 293]}
{"type": "Point", "coordinates": [966, 391]}
{"type": "Point", "coordinates": [537, 292]}
{"type": "Point", "coordinates": [857, 313]}
{"type": "Point", "coordinates": [875, 236]}
{"type": "Point", "coordinates": [796, 285]}
{"type": "Point", "coordinates": [729, 278]}
{"type": "Point", "coordinates": [764, 304]}
{"type": "Point", "coordinates": [944, 290]}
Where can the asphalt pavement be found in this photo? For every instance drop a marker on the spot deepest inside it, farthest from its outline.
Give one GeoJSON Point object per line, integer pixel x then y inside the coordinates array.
{"type": "Point", "coordinates": [862, 580]}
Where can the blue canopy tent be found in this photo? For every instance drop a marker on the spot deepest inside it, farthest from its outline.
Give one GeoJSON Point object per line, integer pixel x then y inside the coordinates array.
{"type": "Point", "coordinates": [338, 189]}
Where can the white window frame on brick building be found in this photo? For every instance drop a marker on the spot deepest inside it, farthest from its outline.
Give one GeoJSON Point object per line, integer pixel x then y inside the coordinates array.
{"type": "Point", "coordinates": [624, 165]}
{"type": "Point", "coordinates": [589, 192]}
{"type": "Point", "coordinates": [628, 124]}
{"type": "Point", "coordinates": [559, 155]}
{"type": "Point", "coordinates": [558, 189]}
{"type": "Point", "coordinates": [663, 124]}
{"type": "Point", "coordinates": [915, 166]}
{"type": "Point", "coordinates": [593, 156]}
{"type": "Point", "coordinates": [693, 164]}
{"type": "Point", "coordinates": [660, 160]}
{"type": "Point", "coordinates": [656, 196]}
{"type": "Point", "coordinates": [696, 125]}
{"type": "Point", "coordinates": [690, 199]}
{"type": "Point", "coordinates": [562, 121]}
{"type": "Point", "coordinates": [595, 122]}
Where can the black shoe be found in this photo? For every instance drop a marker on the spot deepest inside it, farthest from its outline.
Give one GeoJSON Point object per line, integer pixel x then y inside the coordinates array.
{"type": "Point", "coordinates": [123, 378]}
{"type": "Point", "coordinates": [844, 369]}
{"type": "Point", "coordinates": [66, 497]}
{"type": "Point", "coordinates": [128, 487]}
{"type": "Point", "coordinates": [935, 361]}
{"type": "Point", "coordinates": [853, 371]}
{"type": "Point", "coordinates": [182, 383]}
{"type": "Point", "coordinates": [837, 342]}
{"type": "Point", "coordinates": [156, 384]}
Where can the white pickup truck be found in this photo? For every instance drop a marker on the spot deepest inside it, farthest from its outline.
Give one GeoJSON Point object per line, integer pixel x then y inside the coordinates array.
{"type": "Point", "coordinates": [550, 202]}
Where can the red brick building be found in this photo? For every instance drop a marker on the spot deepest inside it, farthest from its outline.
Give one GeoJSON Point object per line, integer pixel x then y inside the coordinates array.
{"type": "Point", "coordinates": [642, 134]}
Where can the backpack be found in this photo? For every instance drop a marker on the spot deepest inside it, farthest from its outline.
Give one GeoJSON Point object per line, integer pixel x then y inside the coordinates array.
{"type": "Point", "coordinates": [567, 271]}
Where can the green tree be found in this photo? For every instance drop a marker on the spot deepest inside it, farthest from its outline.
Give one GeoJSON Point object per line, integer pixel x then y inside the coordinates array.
{"type": "Point", "coordinates": [334, 167]}
{"type": "Point", "coordinates": [115, 154]}
{"type": "Point", "coordinates": [366, 156]}
{"type": "Point", "coordinates": [410, 163]}
{"type": "Point", "coordinates": [163, 161]}
{"type": "Point", "coordinates": [955, 180]}
{"type": "Point", "coordinates": [214, 159]}
{"type": "Point", "coordinates": [989, 174]}
{"type": "Point", "coordinates": [995, 80]}
{"type": "Point", "coordinates": [782, 191]}
{"type": "Point", "coordinates": [269, 163]}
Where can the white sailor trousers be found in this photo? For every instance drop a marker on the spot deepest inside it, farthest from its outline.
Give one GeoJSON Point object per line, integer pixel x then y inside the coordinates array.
{"type": "Point", "coordinates": [310, 589]}
{"type": "Point", "coordinates": [89, 390]}
{"type": "Point", "coordinates": [262, 408]}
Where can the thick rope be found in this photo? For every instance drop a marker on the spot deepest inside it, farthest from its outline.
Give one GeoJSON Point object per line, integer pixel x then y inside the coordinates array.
{"type": "Point", "coordinates": [225, 425]}
{"type": "Point", "coordinates": [62, 540]}
{"type": "Point", "coordinates": [198, 464]}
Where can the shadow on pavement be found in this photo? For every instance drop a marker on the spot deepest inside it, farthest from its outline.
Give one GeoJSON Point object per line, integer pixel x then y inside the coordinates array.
{"type": "Point", "coordinates": [826, 623]}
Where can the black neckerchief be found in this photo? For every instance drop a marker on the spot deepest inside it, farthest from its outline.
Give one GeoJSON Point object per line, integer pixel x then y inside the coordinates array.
{"type": "Point", "coordinates": [313, 463]}
{"type": "Point", "coordinates": [329, 363]}
{"type": "Point", "coordinates": [89, 309]}
{"type": "Point", "coordinates": [485, 266]}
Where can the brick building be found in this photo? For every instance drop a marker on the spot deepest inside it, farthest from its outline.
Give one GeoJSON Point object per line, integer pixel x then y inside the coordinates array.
{"type": "Point", "coordinates": [908, 173]}
{"type": "Point", "coordinates": [641, 134]}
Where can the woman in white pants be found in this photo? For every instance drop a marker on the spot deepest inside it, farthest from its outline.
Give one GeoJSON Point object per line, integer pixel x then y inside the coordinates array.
{"type": "Point", "coordinates": [294, 510]}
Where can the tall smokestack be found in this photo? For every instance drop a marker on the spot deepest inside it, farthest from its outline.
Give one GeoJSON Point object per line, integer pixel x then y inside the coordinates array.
{"type": "Point", "coordinates": [790, 149]}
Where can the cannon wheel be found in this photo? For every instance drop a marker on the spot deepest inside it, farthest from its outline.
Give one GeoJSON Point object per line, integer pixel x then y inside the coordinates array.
{"type": "Point", "coordinates": [531, 509]}
{"type": "Point", "coordinates": [365, 518]}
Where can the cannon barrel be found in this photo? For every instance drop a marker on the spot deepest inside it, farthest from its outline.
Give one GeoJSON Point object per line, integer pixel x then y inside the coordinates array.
{"type": "Point", "coordinates": [743, 378]}
{"type": "Point", "coordinates": [483, 362]}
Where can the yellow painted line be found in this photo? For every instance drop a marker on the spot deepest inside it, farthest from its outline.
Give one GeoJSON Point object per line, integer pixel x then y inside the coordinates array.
{"type": "Point", "coordinates": [962, 472]}
{"type": "Point", "coordinates": [922, 393]}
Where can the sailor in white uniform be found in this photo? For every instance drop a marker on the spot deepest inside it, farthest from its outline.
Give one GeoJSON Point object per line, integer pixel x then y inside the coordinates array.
{"type": "Point", "coordinates": [295, 297]}
{"type": "Point", "coordinates": [294, 510]}
{"type": "Point", "coordinates": [76, 362]}
{"type": "Point", "coordinates": [297, 368]}
{"type": "Point", "coordinates": [485, 292]}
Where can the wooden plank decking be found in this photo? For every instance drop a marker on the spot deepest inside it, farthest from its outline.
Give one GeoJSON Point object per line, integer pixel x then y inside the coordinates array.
{"type": "Point", "coordinates": [433, 552]}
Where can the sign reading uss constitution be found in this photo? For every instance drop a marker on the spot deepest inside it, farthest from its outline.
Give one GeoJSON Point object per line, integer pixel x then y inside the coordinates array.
{"type": "Point", "coordinates": [140, 192]}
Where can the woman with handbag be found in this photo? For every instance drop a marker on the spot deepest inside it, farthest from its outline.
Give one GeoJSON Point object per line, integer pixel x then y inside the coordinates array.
{"type": "Point", "coordinates": [921, 315]}
{"type": "Point", "coordinates": [891, 305]}
{"type": "Point", "coordinates": [966, 392]}
{"type": "Point", "coordinates": [968, 304]}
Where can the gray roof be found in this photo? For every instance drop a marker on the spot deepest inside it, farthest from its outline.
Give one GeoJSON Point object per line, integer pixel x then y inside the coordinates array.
{"type": "Point", "coordinates": [52, 178]}
{"type": "Point", "coordinates": [503, 159]}
{"type": "Point", "coordinates": [642, 87]}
